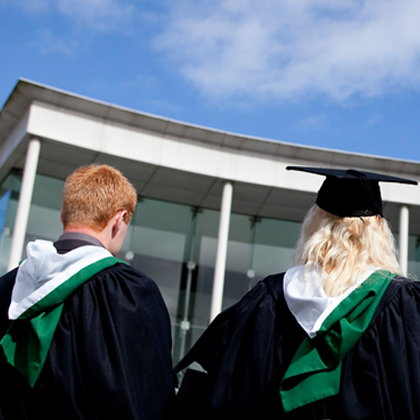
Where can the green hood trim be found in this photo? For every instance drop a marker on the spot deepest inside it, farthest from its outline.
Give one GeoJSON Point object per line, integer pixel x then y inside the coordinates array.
{"type": "Point", "coordinates": [315, 371]}
{"type": "Point", "coordinates": [28, 338]}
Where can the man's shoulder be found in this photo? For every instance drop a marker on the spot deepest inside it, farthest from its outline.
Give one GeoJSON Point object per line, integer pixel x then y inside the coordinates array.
{"type": "Point", "coordinates": [116, 287]}
{"type": "Point", "coordinates": [7, 282]}
{"type": "Point", "coordinates": [9, 276]}
{"type": "Point", "coordinates": [124, 273]}
{"type": "Point", "coordinates": [125, 269]}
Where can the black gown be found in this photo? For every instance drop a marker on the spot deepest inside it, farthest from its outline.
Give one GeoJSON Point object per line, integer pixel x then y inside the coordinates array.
{"type": "Point", "coordinates": [248, 347]}
{"type": "Point", "coordinates": [110, 357]}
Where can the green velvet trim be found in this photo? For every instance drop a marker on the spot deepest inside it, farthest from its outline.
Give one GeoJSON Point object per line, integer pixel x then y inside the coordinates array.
{"type": "Point", "coordinates": [28, 339]}
{"type": "Point", "coordinates": [315, 370]}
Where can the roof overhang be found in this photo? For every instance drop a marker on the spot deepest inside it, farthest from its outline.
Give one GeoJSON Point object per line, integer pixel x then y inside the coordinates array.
{"type": "Point", "coordinates": [176, 161]}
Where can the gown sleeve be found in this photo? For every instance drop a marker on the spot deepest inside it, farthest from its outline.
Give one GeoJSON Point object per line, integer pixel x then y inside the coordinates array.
{"type": "Point", "coordinates": [243, 351]}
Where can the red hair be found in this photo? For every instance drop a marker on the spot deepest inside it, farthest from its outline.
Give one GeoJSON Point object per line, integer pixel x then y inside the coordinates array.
{"type": "Point", "coordinates": [93, 194]}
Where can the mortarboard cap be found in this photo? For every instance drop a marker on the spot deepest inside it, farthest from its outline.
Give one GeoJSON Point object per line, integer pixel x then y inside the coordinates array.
{"type": "Point", "coordinates": [350, 193]}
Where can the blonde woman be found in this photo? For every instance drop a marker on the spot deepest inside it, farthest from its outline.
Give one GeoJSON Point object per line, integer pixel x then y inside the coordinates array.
{"type": "Point", "coordinates": [335, 337]}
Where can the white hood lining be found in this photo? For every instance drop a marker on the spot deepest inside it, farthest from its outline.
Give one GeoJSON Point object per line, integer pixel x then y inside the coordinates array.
{"type": "Point", "coordinates": [45, 269]}
{"type": "Point", "coordinates": [307, 300]}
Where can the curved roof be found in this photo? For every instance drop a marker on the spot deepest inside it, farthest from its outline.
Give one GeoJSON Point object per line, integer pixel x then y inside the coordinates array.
{"type": "Point", "coordinates": [175, 160]}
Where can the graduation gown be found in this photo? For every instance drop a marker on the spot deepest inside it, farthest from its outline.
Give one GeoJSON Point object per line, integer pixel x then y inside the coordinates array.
{"type": "Point", "coordinates": [110, 357]}
{"type": "Point", "coordinates": [248, 347]}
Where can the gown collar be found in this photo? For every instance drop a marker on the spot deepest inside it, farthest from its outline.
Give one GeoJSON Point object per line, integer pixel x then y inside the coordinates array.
{"type": "Point", "coordinates": [307, 299]}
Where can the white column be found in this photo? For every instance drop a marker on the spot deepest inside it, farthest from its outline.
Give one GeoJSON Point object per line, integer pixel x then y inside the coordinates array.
{"type": "Point", "coordinates": [403, 238]}
{"type": "Point", "coordinates": [25, 198]}
{"type": "Point", "coordinates": [222, 245]}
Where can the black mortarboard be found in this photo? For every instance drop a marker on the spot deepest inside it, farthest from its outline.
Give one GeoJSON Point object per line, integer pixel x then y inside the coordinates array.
{"type": "Point", "coordinates": [351, 193]}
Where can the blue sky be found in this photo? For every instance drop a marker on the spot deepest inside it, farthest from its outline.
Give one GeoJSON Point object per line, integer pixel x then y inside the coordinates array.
{"type": "Point", "coordinates": [337, 74]}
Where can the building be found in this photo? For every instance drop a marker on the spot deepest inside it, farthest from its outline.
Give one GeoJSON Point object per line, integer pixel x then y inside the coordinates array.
{"type": "Point", "coordinates": [217, 211]}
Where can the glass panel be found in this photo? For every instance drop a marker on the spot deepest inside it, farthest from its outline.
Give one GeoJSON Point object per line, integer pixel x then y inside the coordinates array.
{"type": "Point", "coordinates": [9, 195]}
{"type": "Point", "coordinates": [414, 257]}
{"type": "Point", "coordinates": [257, 247]}
{"type": "Point", "coordinates": [156, 244]}
{"type": "Point", "coordinates": [275, 242]}
{"type": "Point", "coordinates": [157, 238]}
{"type": "Point", "coordinates": [44, 217]}
{"type": "Point", "coordinates": [413, 266]}
{"type": "Point", "coordinates": [203, 253]}
{"type": "Point", "coordinates": [176, 246]}
{"type": "Point", "coordinates": [238, 260]}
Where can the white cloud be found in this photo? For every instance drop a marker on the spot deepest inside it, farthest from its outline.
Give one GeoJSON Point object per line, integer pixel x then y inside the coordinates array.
{"type": "Point", "coordinates": [96, 14]}
{"type": "Point", "coordinates": [285, 49]}
{"type": "Point", "coordinates": [99, 14]}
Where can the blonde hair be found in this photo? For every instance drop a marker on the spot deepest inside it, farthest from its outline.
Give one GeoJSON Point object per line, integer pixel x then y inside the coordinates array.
{"type": "Point", "coordinates": [93, 194]}
{"type": "Point", "coordinates": [342, 248]}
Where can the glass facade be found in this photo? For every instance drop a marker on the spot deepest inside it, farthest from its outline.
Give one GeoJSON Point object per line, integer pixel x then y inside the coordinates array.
{"type": "Point", "coordinates": [257, 247]}
{"type": "Point", "coordinates": [9, 196]}
{"type": "Point", "coordinates": [413, 267]}
{"type": "Point", "coordinates": [44, 216]}
{"type": "Point", "coordinates": [176, 245]}
{"type": "Point", "coordinates": [159, 243]}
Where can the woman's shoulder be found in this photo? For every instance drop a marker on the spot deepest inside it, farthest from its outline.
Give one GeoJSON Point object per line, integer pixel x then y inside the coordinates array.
{"type": "Point", "coordinates": [402, 288]}
{"type": "Point", "coordinates": [274, 285]}
{"type": "Point", "coordinates": [401, 302]}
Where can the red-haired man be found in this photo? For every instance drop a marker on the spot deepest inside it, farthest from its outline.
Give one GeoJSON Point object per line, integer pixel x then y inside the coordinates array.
{"type": "Point", "coordinates": [84, 335]}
